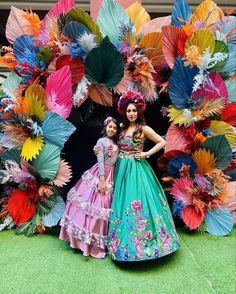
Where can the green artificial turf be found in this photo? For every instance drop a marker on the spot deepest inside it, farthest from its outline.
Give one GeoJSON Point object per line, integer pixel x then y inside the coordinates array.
{"type": "Point", "coordinates": [44, 264]}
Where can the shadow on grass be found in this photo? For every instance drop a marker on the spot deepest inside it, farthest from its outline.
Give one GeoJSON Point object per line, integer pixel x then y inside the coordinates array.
{"type": "Point", "coordinates": [148, 265]}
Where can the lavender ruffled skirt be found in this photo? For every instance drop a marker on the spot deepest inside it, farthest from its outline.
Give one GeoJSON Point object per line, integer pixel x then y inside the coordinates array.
{"type": "Point", "coordinates": [85, 221]}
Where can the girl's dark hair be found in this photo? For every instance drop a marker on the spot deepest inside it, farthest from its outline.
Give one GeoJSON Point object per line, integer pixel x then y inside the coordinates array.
{"type": "Point", "coordinates": [116, 137]}
{"type": "Point", "coordinates": [140, 122]}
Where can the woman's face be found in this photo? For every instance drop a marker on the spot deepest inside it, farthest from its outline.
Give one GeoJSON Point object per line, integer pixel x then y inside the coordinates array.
{"type": "Point", "coordinates": [132, 113]}
{"type": "Point", "coordinates": [111, 129]}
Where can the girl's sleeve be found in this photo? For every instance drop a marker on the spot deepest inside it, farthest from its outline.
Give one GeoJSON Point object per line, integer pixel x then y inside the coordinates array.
{"type": "Point", "coordinates": [100, 157]}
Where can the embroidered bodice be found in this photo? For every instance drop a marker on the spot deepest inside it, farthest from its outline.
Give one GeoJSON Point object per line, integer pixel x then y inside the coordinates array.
{"type": "Point", "coordinates": [129, 146]}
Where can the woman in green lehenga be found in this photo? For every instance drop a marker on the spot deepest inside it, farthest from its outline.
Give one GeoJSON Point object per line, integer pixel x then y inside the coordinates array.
{"type": "Point", "coordinates": [141, 225]}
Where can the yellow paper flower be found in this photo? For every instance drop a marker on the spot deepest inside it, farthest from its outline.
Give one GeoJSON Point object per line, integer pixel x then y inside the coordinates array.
{"type": "Point", "coordinates": [31, 147]}
{"type": "Point", "coordinates": [34, 107]}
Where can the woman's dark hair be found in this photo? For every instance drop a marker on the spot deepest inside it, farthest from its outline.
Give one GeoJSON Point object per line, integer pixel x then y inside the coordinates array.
{"type": "Point", "coordinates": [116, 137]}
{"type": "Point", "coordinates": [140, 121]}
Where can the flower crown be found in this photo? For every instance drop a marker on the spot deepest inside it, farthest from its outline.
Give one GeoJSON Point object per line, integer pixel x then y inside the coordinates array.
{"type": "Point", "coordinates": [131, 97]}
{"type": "Point", "coordinates": [107, 120]}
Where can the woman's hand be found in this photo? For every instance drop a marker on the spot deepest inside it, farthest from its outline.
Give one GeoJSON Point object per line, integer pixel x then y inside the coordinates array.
{"type": "Point", "coordinates": [96, 150]}
{"type": "Point", "coordinates": [102, 186]}
{"type": "Point", "coordinates": [141, 155]}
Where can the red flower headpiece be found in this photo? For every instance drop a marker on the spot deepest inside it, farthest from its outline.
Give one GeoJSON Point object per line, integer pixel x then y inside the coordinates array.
{"type": "Point", "coordinates": [131, 97]}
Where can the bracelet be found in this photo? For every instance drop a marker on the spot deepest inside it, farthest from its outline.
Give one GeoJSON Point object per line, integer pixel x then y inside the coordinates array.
{"type": "Point", "coordinates": [147, 156]}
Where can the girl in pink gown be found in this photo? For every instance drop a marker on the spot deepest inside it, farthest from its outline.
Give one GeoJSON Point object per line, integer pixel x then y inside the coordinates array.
{"type": "Point", "coordinates": [85, 220]}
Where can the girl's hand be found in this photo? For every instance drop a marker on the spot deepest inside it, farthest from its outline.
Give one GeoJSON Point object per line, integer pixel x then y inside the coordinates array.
{"type": "Point", "coordinates": [96, 150]}
{"type": "Point", "coordinates": [141, 155]}
{"type": "Point", "coordinates": [102, 186]}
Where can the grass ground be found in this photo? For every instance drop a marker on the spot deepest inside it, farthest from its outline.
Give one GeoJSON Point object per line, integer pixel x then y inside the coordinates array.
{"type": "Point", "coordinates": [43, 264]}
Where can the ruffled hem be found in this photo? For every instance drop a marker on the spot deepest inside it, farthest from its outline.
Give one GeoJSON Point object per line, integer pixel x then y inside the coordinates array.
{"type": "Point", "coordinates": [72, 231]}
{"type": "Point", "coordinates": [91, 209]}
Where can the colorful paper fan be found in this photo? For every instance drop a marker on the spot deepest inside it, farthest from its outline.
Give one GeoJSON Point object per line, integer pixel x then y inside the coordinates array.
{"type": "Point", "coordinates": [63, 175]}
{"type": "Point", "coordinates": [23, 46]}
{"type": "Point", "coordinates": [231, 87]}
{"type": "Point", "coordinates": [16, 24]}
{"type": "Point", "coordinates": [226, 26]}
{"type": "Point", "coordinates": [221, 149]}
{"type": "Point", "coordinates": [56, 130]}
{"type": "Point", "coordinates": [219, 221]}
{"type": "Point", "coordinates": [11, 154]}
{"type": "Point", "coordinates": [61, 7]}
{"type": "Point", "coordinates": [37, 91]}
{"type": "Point", "coordinates": [10, 84]}
{"type": "Point", "coordinates": [59, 91]}
{"type": "Point", "coordinates": [110, 18]}
{"type": "Point", "coordinates": [138, 15]}
{"type": "Point", "coordinates": [192, 218]}
{"type": "Point", "coordinates": [179, 116]}
{"type": "Point", "coordinates": [230, 202]}
{"type": "Point", "coordinates": [220, 48]}
{"type": "Point", "coordinates": [104, 65]}
{"type": "Point", "coordinates": [176, 163]}
{"type": "Point", "coordinates": [155, 25]}
{"type": "Point", "coordinates": [170, 39]}
{"type": "Point", "coordinates": [55, 214]}
{"type": "Point", "coordinates": [153, 44]}
{"type": "Point", "coordinates": [177, 139]}
{"type": "Point", "coordinates": [203, 39]}
{"type": "Point", "coordinates": [181, 83]}
{"type": "Point", "coordinates": [223, 128]}
{"type": "Point", "coordinates": [207, 13]}
{"type": "Point", "coordinates": [164, 159]}
{"type": "Point", "coordinates": [181, 13]}
{"type": "Point", "coordinates": [33, 107]}
{"type": "Point", "coordinates": [19, 206]}
{"type": "Point", "coordinates": [230, 67]}
{"type": "Point", "coordinates": [79, 15]}
{"type": "Point", "coordinates": [213, 88]}
{"type": "Point", "coordinates": [124, 83]}
{"type": "Point", "coordinates": [204, 160]}
{"type": "Point", "coordinates": [228, 114]}
{"type": "Point", "coordinates": [100, 94]}
{"type": "Point", "coordinates": [47, 162]}
{"type": "Point", "coordinates": [76, 67]}
{"type": "Point", "coordinates": [31, 148]}
{"type": "Point", "coordinates": [74, 29]}
{"type": "Point", "coordinates": [182, 190]}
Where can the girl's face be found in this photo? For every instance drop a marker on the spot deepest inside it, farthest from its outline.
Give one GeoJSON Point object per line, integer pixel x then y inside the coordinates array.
{"type": "Point", "coordinates": [111, 129]}
{"type": "Point", "coordinates": [132, 113]}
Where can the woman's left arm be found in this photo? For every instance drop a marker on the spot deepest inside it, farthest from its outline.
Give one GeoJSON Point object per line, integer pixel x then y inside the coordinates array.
{"type": "Point", "coordinates": [153, 136]}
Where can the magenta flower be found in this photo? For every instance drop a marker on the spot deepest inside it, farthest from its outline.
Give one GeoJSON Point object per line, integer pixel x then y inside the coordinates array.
{"type": "Point", "coordinates": [136, 205]}
{"type": "Point", "coordinates": [148, 235]}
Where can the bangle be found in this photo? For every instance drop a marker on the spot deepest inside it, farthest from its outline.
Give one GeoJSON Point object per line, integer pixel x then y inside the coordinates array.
{"type": "Point", "coordinates": [147, 156]}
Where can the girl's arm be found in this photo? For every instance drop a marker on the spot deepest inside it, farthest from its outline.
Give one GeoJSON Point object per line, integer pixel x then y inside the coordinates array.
{"type": "Point", "coordinates": [100, 159]}
{"type": "Point", "coordinates": [153, 136]}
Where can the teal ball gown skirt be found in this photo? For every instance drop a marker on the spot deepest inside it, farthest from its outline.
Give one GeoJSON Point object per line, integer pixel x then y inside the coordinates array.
{"type": "Point", "coordinates": [141, 225]}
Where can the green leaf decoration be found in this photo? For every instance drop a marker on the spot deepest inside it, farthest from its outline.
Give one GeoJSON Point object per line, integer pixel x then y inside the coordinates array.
{"type": "Point", "coordinates": [47, 162]}
{"type": "Point", "coordinates": [56, 130]}
{"type": "Point", "coordinates": [221, 148]}
{"type": "Point", "coordinates": [29, 228]}
{"type": "Point", "coordinates": [44, 207]}
{"type": "Point", "coordinates": [45, 54]}
{"type": "Point", "coordinates": [104, 65]}
{"type": "Point", "coordinates": [220, 47]}
{"type": "Point", "coordinates": [62, 20]}
{"type": "Point", "coordinates": [11, 154]}
{"type": "Point", "coordinates": [110, 19]}
{"type": "Point", "coordinates": [79, 15]}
